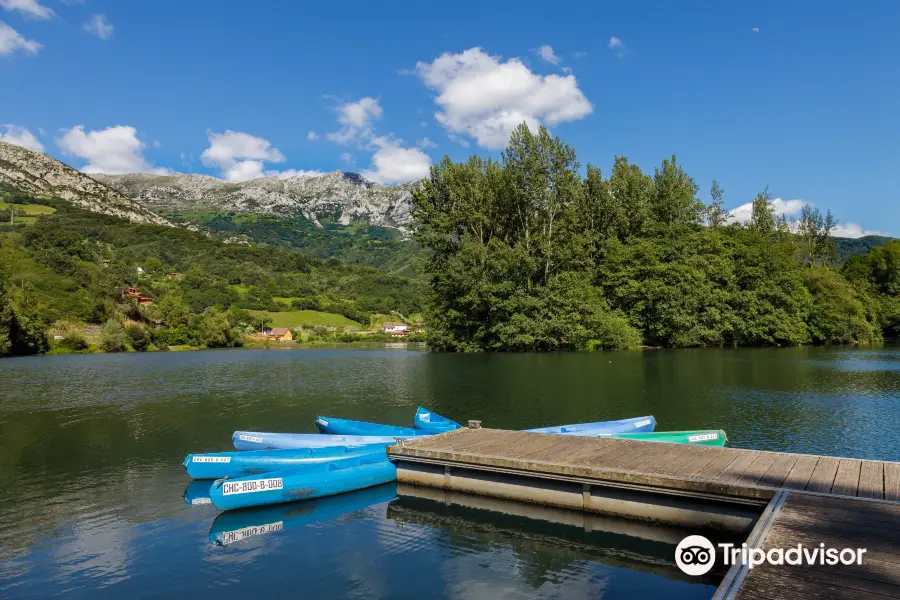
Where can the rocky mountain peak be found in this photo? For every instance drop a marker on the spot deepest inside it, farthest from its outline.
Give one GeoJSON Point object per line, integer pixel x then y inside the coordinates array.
{"type": "Point", "coordinates": [39, 174]}
{"type": "Point", "coordinates": [338, 196]}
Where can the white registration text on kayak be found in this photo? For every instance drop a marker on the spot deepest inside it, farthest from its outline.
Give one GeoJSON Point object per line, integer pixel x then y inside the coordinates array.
{"type": "Point", "coordinates": [251, 485]}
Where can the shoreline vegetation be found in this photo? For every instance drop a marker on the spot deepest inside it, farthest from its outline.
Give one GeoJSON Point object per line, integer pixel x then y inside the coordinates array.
{"type": "Point", "coordinates": [530, 253]}
{"type": "Point", "coordinates": [525, 253]}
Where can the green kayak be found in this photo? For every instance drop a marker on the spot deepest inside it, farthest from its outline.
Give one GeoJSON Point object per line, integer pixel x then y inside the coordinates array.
{"type": "Point", "coordinates": [703, 437]}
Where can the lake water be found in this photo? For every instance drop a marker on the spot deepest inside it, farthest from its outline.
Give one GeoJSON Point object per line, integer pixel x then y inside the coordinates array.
{"type": "Point", "coordinates": [91, 500]}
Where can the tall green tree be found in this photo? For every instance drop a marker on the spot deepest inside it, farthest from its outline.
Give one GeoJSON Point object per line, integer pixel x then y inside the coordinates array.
{"type": "Point", "coordinates": [716, 215]}
{"type": "Point", "coordinates": [762, 214]}
{"type": "Point", "coordinates": [674, 201]}
{"type": "Point", "coordinates": [814, 236]}
{"type": "Point", "coordinates": [633, 192]}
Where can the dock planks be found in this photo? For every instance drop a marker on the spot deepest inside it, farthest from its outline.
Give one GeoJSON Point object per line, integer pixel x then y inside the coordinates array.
{"type": "Point", "coordinates": [838, 522]}
{"type": "Point", "coordinates": [725, 472]}
{"type": "Point", "coordinates": [841, 502]}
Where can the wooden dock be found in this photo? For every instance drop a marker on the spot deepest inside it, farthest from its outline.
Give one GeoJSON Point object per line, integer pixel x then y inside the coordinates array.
{"type": "Point", "coordinates": [778, 499]}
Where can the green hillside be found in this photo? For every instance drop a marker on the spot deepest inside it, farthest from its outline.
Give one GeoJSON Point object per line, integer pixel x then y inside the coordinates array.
{"type": "Point", "coordinates": [305, 318]}
{"type": "Point", "coordinates": [358, 243]}
{"type": "Point", "coordinates": [847, 247]}
{"type": "Point", "coordinates": [71, 268]}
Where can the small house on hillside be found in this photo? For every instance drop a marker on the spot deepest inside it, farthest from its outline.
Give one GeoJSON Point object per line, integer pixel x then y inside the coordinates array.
{"type": "Point", "coordinates": [144, 301]}
{"type": "Point", "coordinates": [394, 328]}
{"type": "Point", "coordinates": [280, 334]}
{"type": "Point", "coordinates": [132, 292]}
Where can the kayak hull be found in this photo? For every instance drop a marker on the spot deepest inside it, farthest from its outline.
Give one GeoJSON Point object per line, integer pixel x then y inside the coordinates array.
{"type": "Point", "coordinates": [303, 483]}
{"type": "Point", "coordinates": [349, 427]}
{"type": "Point", "coordinates": [430, 422]}
{"type": "Point", "coordinates": [705, 437]}
{"type": "Point", "coordinates": [240, 464]}
{"type": "Point", "coordinates": [635, 425]}
{"type": "Point", "coordinates": [261, 440]}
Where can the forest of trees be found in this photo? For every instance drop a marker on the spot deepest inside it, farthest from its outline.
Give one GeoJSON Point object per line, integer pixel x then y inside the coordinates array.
{"type": "Point", "coordinates": [72, 267]}
{"type": "Point", "coordinates": [529, 254]}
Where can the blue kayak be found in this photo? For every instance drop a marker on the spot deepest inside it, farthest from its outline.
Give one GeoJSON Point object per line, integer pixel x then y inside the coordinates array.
{"type": "Point", "coordinates": [240, 464]}
{"type": "Point", "coordinates": [261, 440]}
{"type": "Point", "coordinates": [433, 423]}
{"type": "Point", "coordinates": [236, 525]}
{"type": "Point", "coordinates": [635, 425]}
{"type": "Point", "coordinates": [303, 483]}
{"type": "Point", "coordinates": [348, 427]}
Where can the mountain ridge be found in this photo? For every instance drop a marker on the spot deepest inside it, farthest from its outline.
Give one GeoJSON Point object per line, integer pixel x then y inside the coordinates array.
{"type": "Point", "coordinates": [36, 173]}
{"type": "Point", "coordinates": [338, 197]}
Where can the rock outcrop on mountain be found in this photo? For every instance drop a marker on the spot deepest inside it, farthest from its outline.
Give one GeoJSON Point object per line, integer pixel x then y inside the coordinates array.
{"type": "Point", "coordinates": [339, 197]}
{"type": "Point", "coordinates": [38, 174]}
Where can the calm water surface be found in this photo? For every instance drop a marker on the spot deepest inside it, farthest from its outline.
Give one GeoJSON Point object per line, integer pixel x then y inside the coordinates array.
{"type": "Point", "coordinates": [92, 500]}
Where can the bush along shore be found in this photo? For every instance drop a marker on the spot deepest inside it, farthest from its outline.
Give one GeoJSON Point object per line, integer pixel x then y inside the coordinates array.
{"type": "Point", "coordinates": [72, 338]}
{"type": "Point", "coordinates": [529, 252]}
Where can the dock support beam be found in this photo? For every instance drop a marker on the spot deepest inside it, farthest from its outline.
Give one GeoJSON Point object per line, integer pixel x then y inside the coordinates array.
{"type": "Point", "coordinates": [596, 498]}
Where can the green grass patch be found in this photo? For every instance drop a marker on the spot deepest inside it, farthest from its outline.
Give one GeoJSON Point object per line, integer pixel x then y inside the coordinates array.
{"type": "Point", "coordinates": [285, 301]}
{"type": "Point", "coordinates": [306, 318]}
{"type": "Point", "coordinates": [31, 209]}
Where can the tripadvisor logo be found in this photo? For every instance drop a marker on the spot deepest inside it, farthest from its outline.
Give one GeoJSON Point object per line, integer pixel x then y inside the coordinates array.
{"type": "Point", "coordinates": [695, 555]}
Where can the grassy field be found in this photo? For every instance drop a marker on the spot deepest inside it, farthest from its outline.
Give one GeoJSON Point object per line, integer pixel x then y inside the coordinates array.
{"type": "Point", "coordinates": [306, 318]}
{"type": "Point", "coordinates": [284, 301]}
{"type": "Point", "coordinates": [31, 209]}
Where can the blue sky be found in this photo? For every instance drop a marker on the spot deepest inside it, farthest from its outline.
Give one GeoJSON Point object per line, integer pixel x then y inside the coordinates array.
{"type": "Point", "coordinates": [800, 96]}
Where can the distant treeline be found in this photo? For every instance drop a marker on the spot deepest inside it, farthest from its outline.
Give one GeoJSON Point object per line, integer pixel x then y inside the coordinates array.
{"type": "Point", "coordinates": [528, 254]}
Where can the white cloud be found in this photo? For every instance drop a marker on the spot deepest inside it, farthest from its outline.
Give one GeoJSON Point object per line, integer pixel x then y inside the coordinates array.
{"type": "Point", "coordinates": [29, 8]}
{"type": "Point", "coordinates": [580, 54]}
{"type": "Point", "coordinates": [854, 230]}
{"type": "Point", "coordinates": [425, 143]}
{"type": "Point", "coordinates": [242, 157]}
{"type": "Point", "coordinates": [244, 170]}
{"type": "Point", "coordinates": [312, 135]}
{"type": "Point", "coordinates": [99, 26]}
{"type": "Point", "coordinates": [356, 121]}
{"type": "Point", "coordinates": [20, 137]}
{"type": "Point", "coordinates": [392, 163]}
{"type": "Point", "coordinates": [755, 30]}
{"type": "Point", "coordinates": [617, 46]}
{"type": "Point", "coordinates": [347, 158]}
{"type": "Point", "coordinates": [547, 54]}
{"type": "Point", "coordinates": [788, 208]}
{"type": "Point", "coordinates": [484, 97]}
{"type": "Point", "coordinates": [114, 150]}
{"type": "Point", "coordinates": [792, 208]}
{"type": "Point", "coordinates": [11, 41]}
{"type": "Point", "coordinates": [239, 155]}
